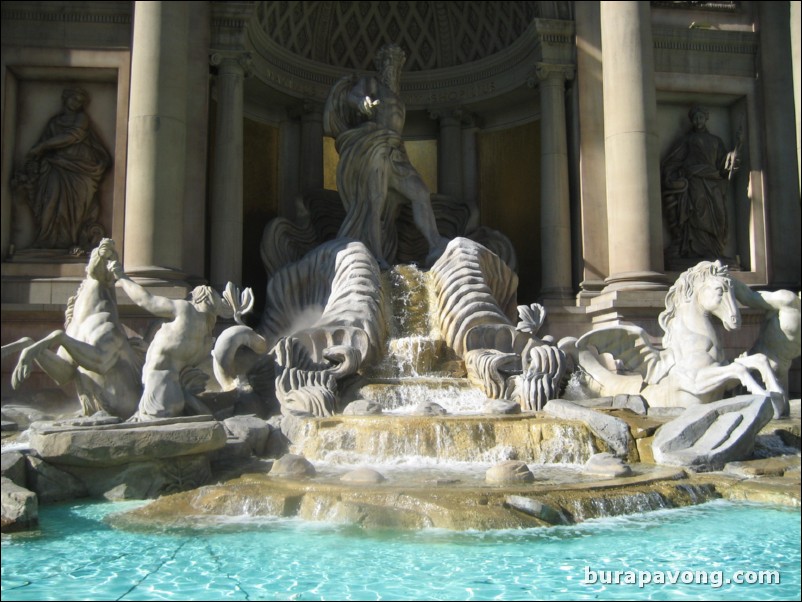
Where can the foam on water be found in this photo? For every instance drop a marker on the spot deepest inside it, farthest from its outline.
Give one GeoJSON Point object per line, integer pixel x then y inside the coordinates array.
{"type": "Point", "coordinates": [77, 556]}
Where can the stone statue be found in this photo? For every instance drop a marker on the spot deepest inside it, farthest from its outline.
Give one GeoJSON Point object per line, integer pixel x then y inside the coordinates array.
{"type": "Point", "coordinates": [61, 176]}
{"type": "Point", "coordinates": [366, 115]}
{"type": "Point", "coordinates": [476, 299]}
{"type": "Point", "coordinates": [695, 174]}
{"type": "Point", "coordinates": [94, 351]}
{"type": "Point", "coordinates": [780, 337]}
{"type": "Point", "coordinates": [170, 376]}
{"type": "Point", "coordinates": [324, 320]}
{"type": "Point", "coordinates": [691, 368]}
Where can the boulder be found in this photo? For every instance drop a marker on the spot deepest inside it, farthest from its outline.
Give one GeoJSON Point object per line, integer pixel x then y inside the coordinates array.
{"type": "Point", "coordinates": [708, 436]}
{"type": "Point", "coordinates": [429, 408]}
{"type": "Point", "coordinates": [363, 475]}
{"type": "Point", "coordinates": [253, 430]}
{"type": "Point", "coordinates": [606, 465]}
{"type": "Point", "coordinates": [52, 484]}
{"type": "Point", "coordinates": [610, 429]}
{"type": "Point", "coordinates": [537, 509]}
{"type": "Point", "coordinates": [510, 471]}
{"type": "Point", "coordinates": [501, 406]}
{"type": "Point", "coordinates": [293, 466]}
{"type": "Point", "coordinates": [20, 508]}
{"type": "Point", "coordinates": [362, 407]}
{"type": "Point", "coordinates": [636, 403]}
{"type": "Point", "coordinates": [13, 467]}
{"type": "Point", "coordinates": [144, 480]}
{"type": "Point", "coordinates": [125, 443]}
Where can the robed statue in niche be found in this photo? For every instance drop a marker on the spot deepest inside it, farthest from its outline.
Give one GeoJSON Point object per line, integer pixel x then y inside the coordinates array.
{"type": "Point", "coordinates": [61, 176]}
{"type": "Point", "coordinates": [695, 176]}
{"type": "Point", "coordinates": [365, 116]}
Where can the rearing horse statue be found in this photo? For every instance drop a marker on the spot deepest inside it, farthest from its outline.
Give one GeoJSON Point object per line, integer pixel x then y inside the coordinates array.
{"type": "Point", "coordinates": [93, 350]}
{"type": "Point", "coordinates": [691, 367]}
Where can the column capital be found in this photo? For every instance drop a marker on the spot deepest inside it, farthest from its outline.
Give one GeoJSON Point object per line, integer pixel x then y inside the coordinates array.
{"type": "Point", "coordinates": [454, 116]}
{"type": "Point", "coordinates": [232, 59]}
{"type": "Point", "coordinates": [306, 110]}
{"type": "Point", "coordinates": [551, 71]}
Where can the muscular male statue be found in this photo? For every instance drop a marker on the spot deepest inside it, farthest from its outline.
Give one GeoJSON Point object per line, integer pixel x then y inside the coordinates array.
{"type": "Point", "coordinates": [366, 116]}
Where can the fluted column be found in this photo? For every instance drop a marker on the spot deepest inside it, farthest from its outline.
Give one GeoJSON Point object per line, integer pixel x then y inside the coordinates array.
{"type": "Point", "coordinates": [555, 220]}
{"type": "Point", "coordinates": [781, 188]}
{"type": "Point", "coordinates": [470, 167]}
{"type": "Point", "coordinates": [227, 172]}
{"type": "Point", "coordinates": [449, 152]}
{"type": "Point", "coordinates": [631, 148]}
{"type": "Point", "coordinates": [155, 174]}
{"type": "Point", "coordinates": [592, 184]}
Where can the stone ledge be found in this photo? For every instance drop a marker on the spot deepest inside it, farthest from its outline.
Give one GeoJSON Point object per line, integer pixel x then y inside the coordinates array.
{"type": "Point", "coordinates": [125, 443]}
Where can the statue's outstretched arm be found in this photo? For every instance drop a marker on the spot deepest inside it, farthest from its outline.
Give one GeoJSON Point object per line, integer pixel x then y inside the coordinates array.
{"type": "Point", "coordinates": [158, 306]}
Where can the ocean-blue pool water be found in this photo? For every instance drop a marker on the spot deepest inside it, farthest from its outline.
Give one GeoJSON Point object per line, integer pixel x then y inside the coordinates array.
{"type": "Point", "coordinates": [77, 556]}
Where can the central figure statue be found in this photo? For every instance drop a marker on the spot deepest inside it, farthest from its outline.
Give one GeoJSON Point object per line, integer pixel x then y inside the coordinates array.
{"type": "Point", "coordinates": [365, 115]}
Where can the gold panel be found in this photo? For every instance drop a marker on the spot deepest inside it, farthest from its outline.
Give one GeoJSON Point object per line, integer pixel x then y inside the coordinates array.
{"type": "Point", "coordinates": [260, 199]}
{"type": "Point", "coordinates": [330, 161]}
{"type": "Point", "coordinates": [509, 196]}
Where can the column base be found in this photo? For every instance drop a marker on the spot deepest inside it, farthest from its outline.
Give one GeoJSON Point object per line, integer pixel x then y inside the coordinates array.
{"type": "Point", "coordinates": [589, 289]}
{"type": "Point", "coordinates": [557, 296]}
{"type": "Point", "coordinates": [636, 281]}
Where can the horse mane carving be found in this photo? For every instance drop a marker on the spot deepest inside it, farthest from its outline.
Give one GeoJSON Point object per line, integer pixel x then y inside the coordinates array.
{"type": "Point", "coordinates": [683, 289]}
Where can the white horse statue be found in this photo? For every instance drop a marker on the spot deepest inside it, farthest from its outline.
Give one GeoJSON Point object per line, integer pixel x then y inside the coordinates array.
{"type": "Point", "coordinates": [93, 350]}
{"type": "Point", "coordinates": [691, 367]}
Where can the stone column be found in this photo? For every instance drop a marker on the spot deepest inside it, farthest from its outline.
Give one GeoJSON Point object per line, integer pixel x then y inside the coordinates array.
{"type": "Point", "coordinates": [796, 60]}
{"type": "Point", "coordinates": [227, 173]}
{"type": "Point", "coordinates": [157, 131]}
{"type": "Point", "coordinates": [197, 143]}
{"type": "Point", "coordinates": [449, 152]}
{"type": "Point", "coordinates": [470, 168]}
{"type": "Point", "coordinates": [781, 188]}
{"type": "Point", "coordinates": [634, 211]}
{"type": "Point", "coordinates": [311, 172]}
{"type": "Point", "coordinates": [555, 220]}
{"type": "Point", "coordinates": [592, 182]}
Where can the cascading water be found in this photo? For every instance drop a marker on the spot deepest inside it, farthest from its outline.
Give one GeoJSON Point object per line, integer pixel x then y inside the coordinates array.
{"type": "Point", "coordinates": [414, 342]}
{"type": "Point", "coordinates": [417, 366]}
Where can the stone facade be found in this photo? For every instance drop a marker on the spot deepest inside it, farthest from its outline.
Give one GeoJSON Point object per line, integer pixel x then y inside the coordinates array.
{"type": "Point", "coordinates": [589, 96]}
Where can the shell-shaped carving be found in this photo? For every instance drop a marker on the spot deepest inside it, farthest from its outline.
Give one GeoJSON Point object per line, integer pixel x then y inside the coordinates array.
{"type": "Point", "coordinates": [544, 367]}
{"type": "Point", "coordinates": [309, 401]}
{"type": "Point", "coordinates": [330, 297]}
{"type": "Point", "coordinates": [490, 369]}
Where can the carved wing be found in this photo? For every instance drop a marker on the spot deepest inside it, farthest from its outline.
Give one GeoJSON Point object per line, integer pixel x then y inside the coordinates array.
{"type": "Point", "coordinates": [630, 345]}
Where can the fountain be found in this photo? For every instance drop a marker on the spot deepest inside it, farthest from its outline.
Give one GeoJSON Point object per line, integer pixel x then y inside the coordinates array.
{"type": "Point", "coordinates": [390, 394]}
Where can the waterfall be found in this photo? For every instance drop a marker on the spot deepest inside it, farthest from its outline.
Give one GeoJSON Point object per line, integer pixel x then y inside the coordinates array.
{"type": "Point", "coordinates": [417, 366]}
{"type": "Point", "coordinates": [414, 343]}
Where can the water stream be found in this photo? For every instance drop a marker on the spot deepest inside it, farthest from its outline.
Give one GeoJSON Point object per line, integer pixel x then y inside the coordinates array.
{"type": "Point", "coordinates": [417, 366]}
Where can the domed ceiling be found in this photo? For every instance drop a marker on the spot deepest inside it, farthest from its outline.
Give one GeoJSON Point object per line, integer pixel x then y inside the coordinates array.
{"type": "Point", "coordinates": [456, 51]}
{"type": "Point", "coordinates": [434, 34]}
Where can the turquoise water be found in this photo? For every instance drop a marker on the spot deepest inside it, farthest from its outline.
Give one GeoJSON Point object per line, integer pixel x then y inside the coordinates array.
{"type": "Point", "coordinates": [77, 556]}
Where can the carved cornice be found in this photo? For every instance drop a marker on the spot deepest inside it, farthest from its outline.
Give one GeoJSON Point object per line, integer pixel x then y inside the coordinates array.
{"type": "Point", "coordinates": [717, 6]}
{"type": "Point", "coordinates": [230, 22]}
{"type": "Point", "coordinates": [102, 13]}
{"type": "Point", "coordinates": [703, 51]}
